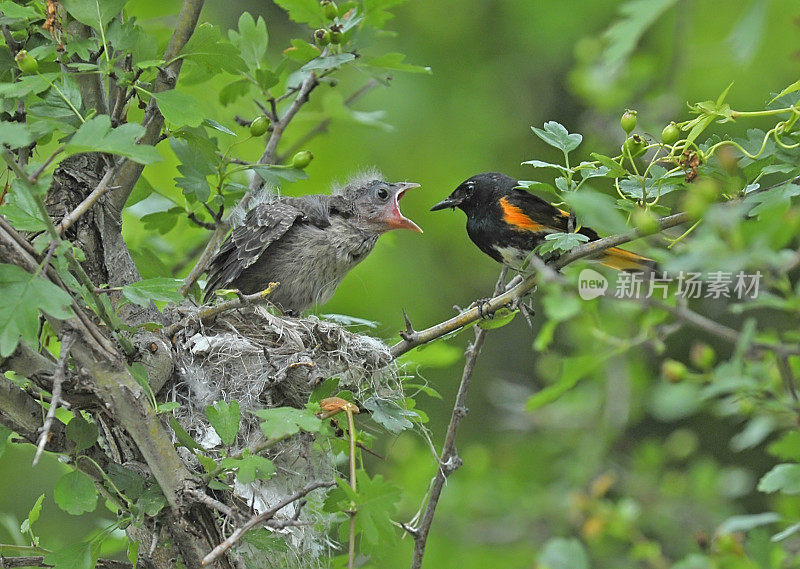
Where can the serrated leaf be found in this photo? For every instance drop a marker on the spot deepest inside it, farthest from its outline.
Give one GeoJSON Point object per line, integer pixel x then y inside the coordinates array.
{"type": "Point", "coordinates": [179, 108]}
{"type": "Point", "coordinates": [389, 414]}
{"type": "Point", "coordinates": [500, 318]}
{"type": "Point", "coordinates": [152, 501]}
{"type": "Point", "coordinates": [555, 134]}
{"type": "Point", "coordinates": [96, 135]}
{"type": "Point", "coordinates": [250, 468]}
{"type": "Point", "coordinates": [283, 421]}
{"type": "Point", "coordinates": [22, 296]}
{"type": "Point", "coordinates": [94, 13]}
{"type": "Point", "coordinates": [81, 432]}
{"type": "Point", "coordinates": [75, 493]}
{"type": "Point", "coordinates": [15, 134]}
{"type": "Point", "coordinates": [783, 477]}
{"type": "Point", "coordinates": [303, 11]}
{"type": "Point", "coordinates": [274, 174]}
{"type": "Point", "coordinates": [233, 90]}
{"type": "Point", "coordinates": [161, 289]}
{"type": "Point", "coordinates": [225, 418]}
{"type": "Point", "coordinates": [208, 50]}
{"type": "Point", "coordinates": [560, 242]}
{"type": "Point", "coordinates": [252, 39]}
{"type": "Point", "coordinates": [14, 11]}
{"type": "Point", "coordinates": [375, 503]}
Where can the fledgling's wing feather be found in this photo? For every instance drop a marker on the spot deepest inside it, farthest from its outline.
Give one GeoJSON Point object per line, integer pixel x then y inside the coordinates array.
{"type": "Point", "coordinates": [263, 225]}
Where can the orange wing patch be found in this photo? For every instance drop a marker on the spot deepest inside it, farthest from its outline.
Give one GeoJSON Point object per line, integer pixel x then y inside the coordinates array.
{"type": "Point", "coordinates": [516, 218]}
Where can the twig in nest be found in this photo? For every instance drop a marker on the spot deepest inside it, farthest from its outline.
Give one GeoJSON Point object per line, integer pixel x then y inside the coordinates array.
{"type": "Point", "coordinates": [263, 517]}
{"type": "Point", "coordinates": [58, 379]}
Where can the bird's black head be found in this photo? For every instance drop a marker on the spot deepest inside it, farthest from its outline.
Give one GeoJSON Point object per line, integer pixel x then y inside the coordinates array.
{"type": "Point", "coordinates": [477, 193]}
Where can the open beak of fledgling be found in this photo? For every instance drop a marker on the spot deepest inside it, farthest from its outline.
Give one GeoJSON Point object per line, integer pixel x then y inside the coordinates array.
{"type": "Point", "coordinates": [449, 201]}
{"type": "Point", "coordinates": [396, 220]}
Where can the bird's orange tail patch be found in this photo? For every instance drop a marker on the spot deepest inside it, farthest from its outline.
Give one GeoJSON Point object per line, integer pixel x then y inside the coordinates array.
{"type": "Point", "coordinates": [516, 218]}
{"type": "Point", "coordinates": [623, 260]}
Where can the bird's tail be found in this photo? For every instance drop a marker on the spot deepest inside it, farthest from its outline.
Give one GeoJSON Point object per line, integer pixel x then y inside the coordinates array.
{"type": "Point", "coordinates": [623, 260]}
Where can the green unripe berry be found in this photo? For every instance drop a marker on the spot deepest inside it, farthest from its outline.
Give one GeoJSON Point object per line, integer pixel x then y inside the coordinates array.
{"type": "Point", "coordinates": [628, 121]}
{"type": "Point", "coordinates": [302, 159]}
{"type": "Point", "coordinates": [645, 221]}
{"type": "Point", "coordinates": [322, 37]}
{"type": "Point", "coordinates": [259, 126]}
{"type": "Point", "coordinates": [336, 36]}
{"type": "Point", "coordinates": [702, 356]}
{"type": "Point", "coordinates": [330, 9]}
{"type": "Point", "coordinates": [635, 146]}
{"type": "Point", "coordinates": [673, 370]}
{"type": "Point", "coordinates": [26, 63]}
{"type": "Point", "coordinates": [670, 134]}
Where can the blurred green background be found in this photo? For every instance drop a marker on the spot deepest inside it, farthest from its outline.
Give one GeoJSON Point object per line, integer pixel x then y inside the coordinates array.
{"type": "Point", "coordinates": [624, 462]}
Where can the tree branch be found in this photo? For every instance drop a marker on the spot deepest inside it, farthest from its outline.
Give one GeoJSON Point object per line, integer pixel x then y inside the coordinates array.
{"type": "Point", "coordinates": [449, 460]}
{"type": "Point", "coordinates": [412, 339]}
{"type": "Point", "coordinates": [89, 201]}
{"type": "Point", "coordinates": [58, 379]}
{"type": "Point", "coordinates": [38, 561]}
{"type": "Point", "coordinates": [263, 517]}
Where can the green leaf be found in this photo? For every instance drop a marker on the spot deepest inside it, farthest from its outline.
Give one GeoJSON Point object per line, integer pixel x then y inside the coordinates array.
{"type": "Point", "coordinates": [14, 11]}
{"type": "Point", "coordinates": [376, 504]}
{"type": "Point", "coordinates": [264, 540]}
{"type": "Point", "coordinates": [597, 211]}
{"type": "Point", "coordinates": [233, 90]}
{"type": "Point", "coordinates": [389, 414]}
{"type": "Point", "coordinates": [75, 556]}
{"type": "Point", "coordinates": [328, 61]}
{"type": "Point", "coordinates": [225, 418]}
{"type": "Point", "coordinates": [129, 482]}
{"type": "Point", "coordinates": [623, 36]}
{"type": "Point", "coordinates": [251, 39]}
{"type": "Point", "coordinates": [217, 126]}
{"type": "Point", "coordinates": [615, 170]}
{"type": "Point", "coordinates": [250, 467]}
{"type": "Point", "coordinates": [209, 51]}
{"type": "Point", "coordinates": [790, 89]}
{"type": "Point", "coordinates": [94, 13]}
{"type": "Point", "coordinates": [736, 524]}
{"type": "Point", "coordinates": [5, 432]}
{"type": "Point", "coordinates": [499, 319]}
{"type": "Point", "coordinates": [14, 134]}
{"type": "Point", "coordinates": [283, 421]}
{"type": "Point", "coordinates": [184, 438]}
{"type": "Point", "coordinates": [96, 135]}
{"type": "Point", "coordinates": [556, 135]}
{"type": "Point", "coordinates": [394, 61]}
{"type": "Point", "coordinates": [302, 51]}
{"type": "Point", "coordinates": [573, 370]}
{"type": "Point", "coordinates": [179, 108]}
{"type": "Point", "coordinates": [33, 515]}
{"type": "Point", "coordinates": [152, 500]}
{"type": "Point", "coordinates": [75, 493]}
{"type": "Point", "coordinates": [783, 477]}
{"type": "Point", "coordinates": [787, 447]}
{"type": "Point", "coordinates": [303, 11]}
{"type": "Point", "coordinates": [81, 432]}
{"type": "Point", "coordinates": [22, 296]}
{"type": "Point", "coordinates": [542, 164]}
{"type": "Point", "coordinates": [560, 553]}
{"type": "Point", "coordinates": [162, 289]}
{"type": "Point", "coordinates": [560, 242]}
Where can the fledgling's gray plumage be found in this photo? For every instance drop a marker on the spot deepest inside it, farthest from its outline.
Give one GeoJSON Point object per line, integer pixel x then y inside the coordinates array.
{"type": "Point", "coordinates": [308, 244]}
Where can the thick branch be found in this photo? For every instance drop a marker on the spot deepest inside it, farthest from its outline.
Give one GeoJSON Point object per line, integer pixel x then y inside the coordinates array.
{"type": "Point", "coordinates": [38, 561]}
{"type": "Point", "coordinates": [129, 171]}
{"type": "Point", "coordinates": [417, 338]}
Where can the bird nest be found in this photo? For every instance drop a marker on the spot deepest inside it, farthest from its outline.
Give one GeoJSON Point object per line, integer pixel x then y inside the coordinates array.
{"type": "Point", "coordinates": [262, 361]}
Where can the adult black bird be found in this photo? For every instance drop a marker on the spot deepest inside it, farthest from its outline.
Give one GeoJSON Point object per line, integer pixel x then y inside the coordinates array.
{"type": "Point", "coordinates": [507, 222]}
{"type": "Point", "coordinates": [308, 244]}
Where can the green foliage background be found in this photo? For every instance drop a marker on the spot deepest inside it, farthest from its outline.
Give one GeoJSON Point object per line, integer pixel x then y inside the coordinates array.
{"type": "Point", "coordinates": [641, 470]}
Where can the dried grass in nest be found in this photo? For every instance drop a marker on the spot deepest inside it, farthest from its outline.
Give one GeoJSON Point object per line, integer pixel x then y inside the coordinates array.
{"type": "Point", "coordinates": [264, 361]}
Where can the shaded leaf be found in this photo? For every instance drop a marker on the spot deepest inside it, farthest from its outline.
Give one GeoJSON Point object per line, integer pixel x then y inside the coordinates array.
{"type": "Point", "coordinates": [282, 421]}
{"type": "Point", "coordinates": [75, 493]}
{"type": "Point", "coordinates": [225, 418]}
{"type": "Point", "coordinates": [162, 289]}
{"type": "Point", "coordinates": [179, 108]}
{"type": "Point", "coordinates": [81, 432]}
{"type": "Point", "coordinates": [96, 135]}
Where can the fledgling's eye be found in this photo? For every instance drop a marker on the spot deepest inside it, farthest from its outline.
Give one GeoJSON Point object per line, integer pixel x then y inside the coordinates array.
{"type": "Point", "coordinates": [383, 193]}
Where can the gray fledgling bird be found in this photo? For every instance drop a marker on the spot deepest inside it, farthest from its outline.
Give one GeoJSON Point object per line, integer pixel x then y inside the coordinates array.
{"type": "Point", "coordinates": [308, 244]}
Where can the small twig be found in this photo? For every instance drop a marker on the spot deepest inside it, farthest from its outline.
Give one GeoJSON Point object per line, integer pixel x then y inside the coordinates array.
{"type": "Point", "coordinates": [209, 313]}
{"type": "Point", "coordinates": [200, 223]}
{"type": "Point", "coordinates": [322, 126]}
{"type": "Point", "coordinates": [43, 167]}
{"type": "Point", "coordinates": [787, 377]}
{"type": "Point", "coordinates": [58, 379]}
{"type": "Point", "coordinates": [263, 517]}
{"type": "Point", "coordinates": [215, 504]}
{"type": "Point", "coordinates": [88, 201]}
{"type": "Point", "coordinates": [449, 460]}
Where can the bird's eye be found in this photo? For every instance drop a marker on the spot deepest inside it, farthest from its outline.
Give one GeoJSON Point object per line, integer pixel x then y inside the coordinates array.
{"type": "Point", "coordinates": [470, 187]}
{"type": "Point", "coordinates": [383, 193]}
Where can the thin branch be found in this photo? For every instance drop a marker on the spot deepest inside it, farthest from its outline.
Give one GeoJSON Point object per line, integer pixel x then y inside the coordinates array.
{"type": "Point", "coordinates": [449, 460]}
{"type": "Point", "coordinates": [209, 314]}
{"type": "Point", "coordinates": [322, 126]}
{"type": "Point", "coordinates": [214, 504]}
{"type": "Point", "coordinates": [263, 517]}
{"type": "Point", "coordinates": [417, 338]}
{"type": "Point", "coordinates": [67, 340]}
{"type": "Point", "coordinates": [46, 163]}
{"type": "Point", "coordinates": [88, 201]}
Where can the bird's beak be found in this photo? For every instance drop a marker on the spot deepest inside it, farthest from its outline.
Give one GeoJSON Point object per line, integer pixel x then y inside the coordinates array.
{"type": "Point", "coordinates": [396, 219]}
{"type": "Point", "coordinates": [447, 202]}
